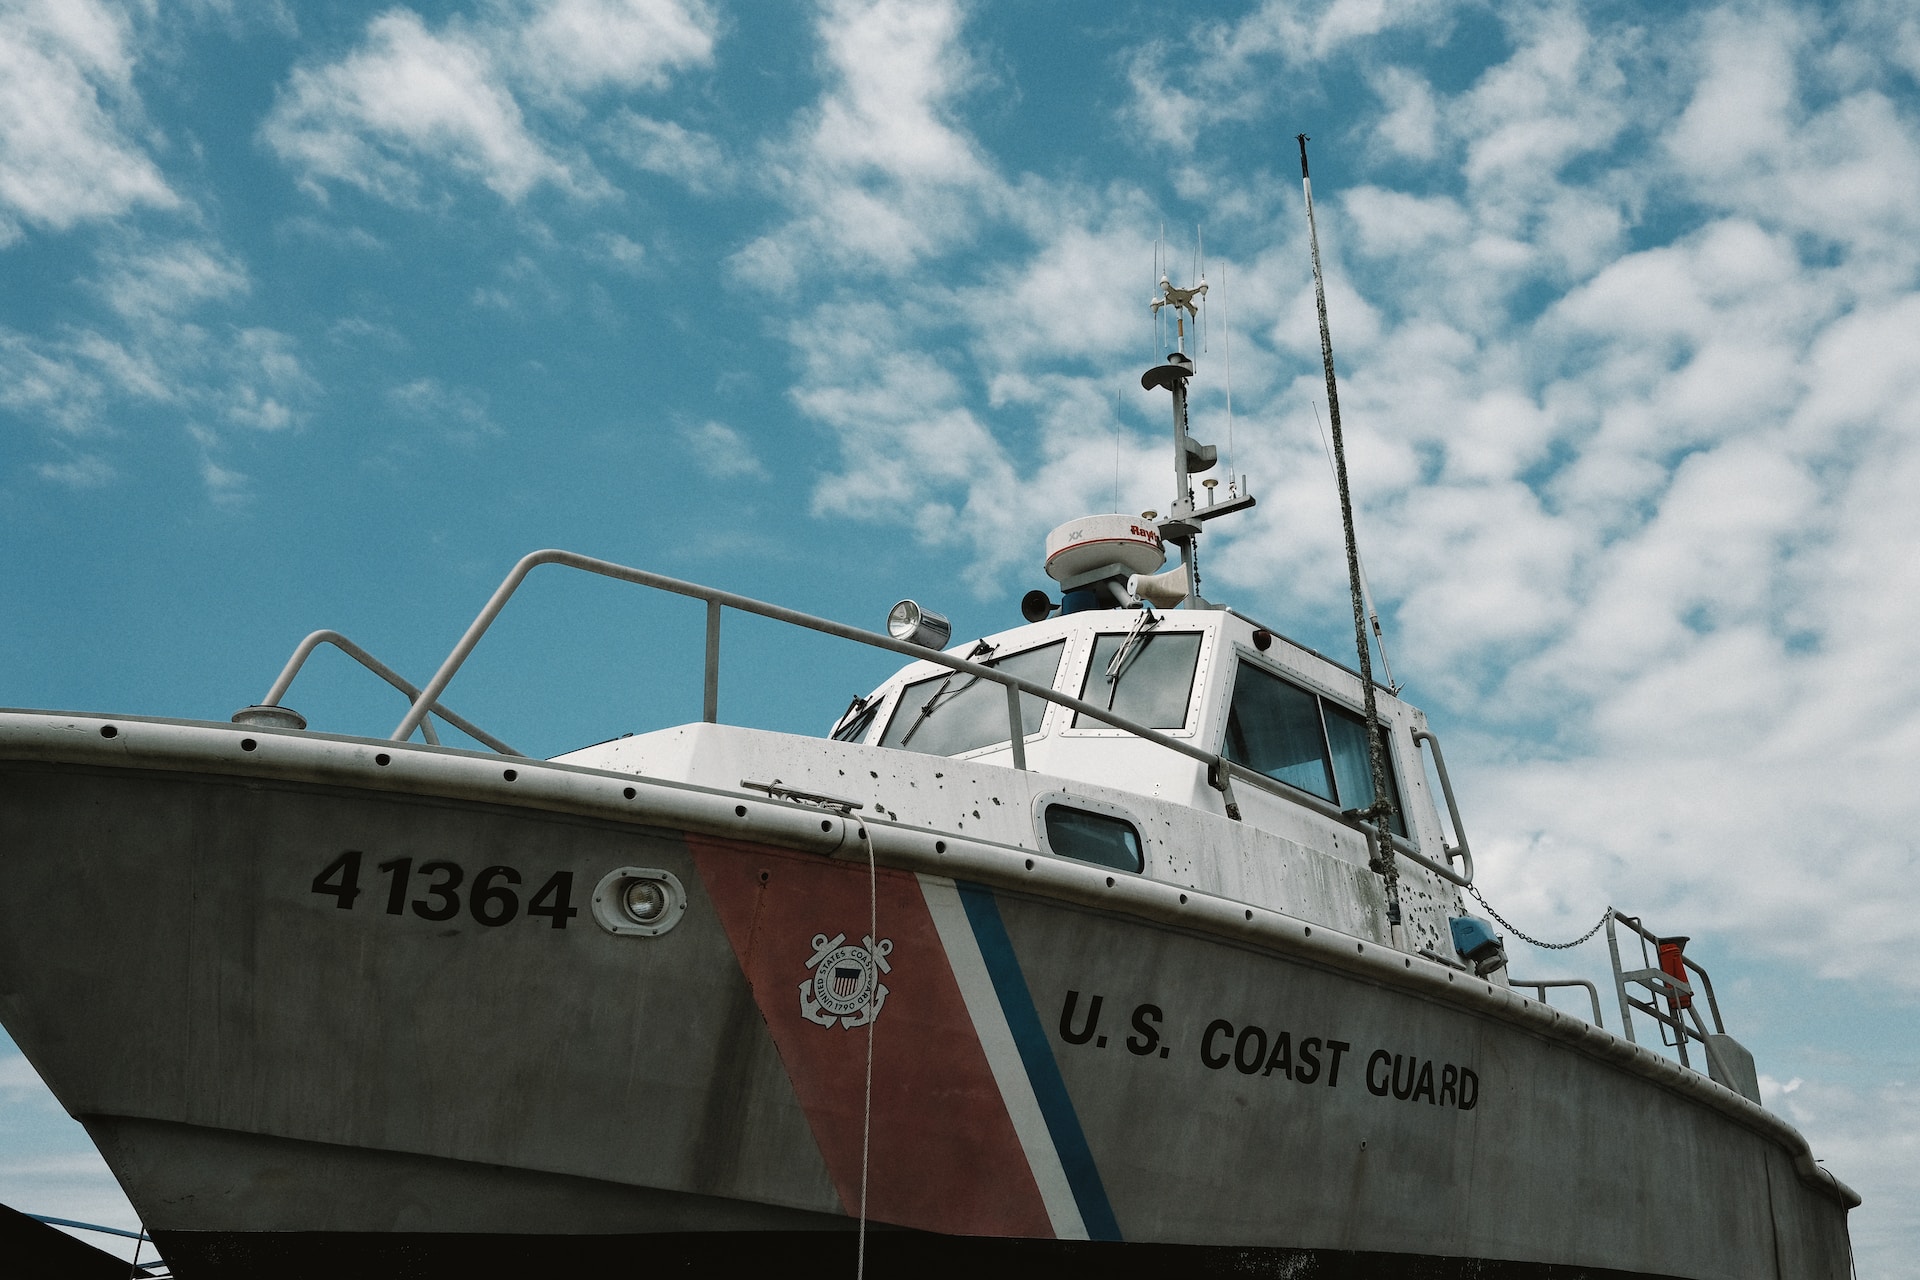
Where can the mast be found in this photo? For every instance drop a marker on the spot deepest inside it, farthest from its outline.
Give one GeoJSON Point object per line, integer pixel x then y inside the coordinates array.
{"type": "Point", "coordinates": [1380, 812]}
{"type": "Point", "coordinates": [1181, 525]}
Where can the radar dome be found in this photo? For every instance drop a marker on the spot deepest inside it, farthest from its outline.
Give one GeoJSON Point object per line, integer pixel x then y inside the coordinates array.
{"type": "Point", "coordinates": [1094, 542]}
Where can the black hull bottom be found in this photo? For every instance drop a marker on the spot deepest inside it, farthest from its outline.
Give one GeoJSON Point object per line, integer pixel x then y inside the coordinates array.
{"type": "Point", "coordinates": [803, 1255]}
{"type": "Point", "coordinates": [32, 1250]}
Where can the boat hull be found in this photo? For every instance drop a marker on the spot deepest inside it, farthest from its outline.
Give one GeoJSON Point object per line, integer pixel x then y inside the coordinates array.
{"type": "Point", "coordinates": [279, 1070]}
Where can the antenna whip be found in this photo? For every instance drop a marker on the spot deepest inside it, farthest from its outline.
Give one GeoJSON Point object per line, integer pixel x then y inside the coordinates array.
{"type": "Point", "coordinates": [1366, 587]}
{"type": "Point", "coordinates": [1232, 489]}
{"type": "Point", "coordinates": [1380, 812]}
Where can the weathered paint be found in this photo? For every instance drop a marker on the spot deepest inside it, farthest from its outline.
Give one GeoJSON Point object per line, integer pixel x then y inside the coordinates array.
{"type": "Point", "coordinates": [254, 1056]}
{"type": "Point", "coordinates": [938, 1121]}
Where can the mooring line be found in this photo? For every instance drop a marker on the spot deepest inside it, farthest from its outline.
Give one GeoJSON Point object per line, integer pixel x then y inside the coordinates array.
{"type": "Point", "coordinates": [873, 989]}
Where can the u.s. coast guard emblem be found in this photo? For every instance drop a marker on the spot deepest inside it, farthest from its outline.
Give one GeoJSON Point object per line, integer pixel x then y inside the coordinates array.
{"type": "Point", "coordinates": [845, 982]}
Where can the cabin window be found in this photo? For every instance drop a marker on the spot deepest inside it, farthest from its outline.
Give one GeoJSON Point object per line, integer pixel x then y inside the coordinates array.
{"type": "Point", "coordinates": [1152, 683]}
{"type": "Point", "coordinates": [1274, 727]}
{"type": "Point", "coordinates": [1352, 770]}
{"type": "Point", "coordinates": [1305, 741]}
{"type": "Point", "coordinates": [1093, 837]}
{"type": "Point", "coordinates": [953, 713]}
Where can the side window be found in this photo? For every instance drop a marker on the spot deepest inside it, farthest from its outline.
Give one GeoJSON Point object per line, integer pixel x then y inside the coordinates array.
{"type": "Point", "coordinates": [1352, 770]}
{"type": "Point", "coordinates": [1274, 727]}
{"type": "Point", "coordinates": [1093, 837]}
{"type": "Point", "coordinates": [953, 713]}
{"type": "Point", "coordinates": [1149, 682]}
{"type": "Point", "coordinates": [1306, 741]}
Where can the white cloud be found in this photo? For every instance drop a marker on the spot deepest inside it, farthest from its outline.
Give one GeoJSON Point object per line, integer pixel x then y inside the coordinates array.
{"type": "Point", "coordinates": [879, 175]}
{"type": "Point", "coordinates": [664, 147]}
{"type": "Point", "coordinates": [458, 414]}
{"type": "Point", "coordinates": [1779, 130]}
{"type": "Point", "coordinates": [408, 95]}
{"type": "Point", "coordinates": [575, 46]}
{"type": "Point", "coordinates": [411, 99]}
{"type": "Point", "coordinates": [148, 283]}
{"type": "Point", "coordinates": [47, 384]}
{"type": "Point", "coordinates": [68, 113]}
{"type": "Point", "coordinates": [84, 471]}
{"type": "Point", "coordinates": [627, 254]}
{"type": "Point", "coordinates": [1411, 124]}
{"type": "Point", "coordinates": [724, 453]}
{"type": "Point", "coordinates": [1230, 71]}
{"type": "Point", "coordinates": [154, 349]}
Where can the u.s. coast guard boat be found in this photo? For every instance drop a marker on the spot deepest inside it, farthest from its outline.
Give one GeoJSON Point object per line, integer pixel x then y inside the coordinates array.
{"type": "Point", "coordinates": [1113, 943]}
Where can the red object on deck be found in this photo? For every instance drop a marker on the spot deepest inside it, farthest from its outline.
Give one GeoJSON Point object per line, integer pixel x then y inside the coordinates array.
{"type": "Point", "coordinates": [1673, 964]}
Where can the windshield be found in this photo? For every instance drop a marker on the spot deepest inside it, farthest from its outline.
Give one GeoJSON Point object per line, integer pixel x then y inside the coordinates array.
{"type": "Point", "coordinates": [953, 713]}
{"type": "Point", "coordinates": [1151, 678]}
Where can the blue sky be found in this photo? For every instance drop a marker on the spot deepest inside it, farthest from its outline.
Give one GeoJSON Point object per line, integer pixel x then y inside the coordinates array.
{"type": "Point", "coordinates": [323, 316]}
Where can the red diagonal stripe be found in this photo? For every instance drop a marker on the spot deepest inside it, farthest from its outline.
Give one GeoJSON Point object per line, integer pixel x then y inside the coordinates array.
{"type": "Point", "coordinates": [944, 1153]}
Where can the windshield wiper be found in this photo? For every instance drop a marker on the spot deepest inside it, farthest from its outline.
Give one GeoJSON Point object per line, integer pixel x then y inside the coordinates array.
{"type": "Point", "coordinates": [1147, 620]}
{"type": "Point", "coordinates": [980, 649]}
{"type": "Point", "coordinates": [938, 698]}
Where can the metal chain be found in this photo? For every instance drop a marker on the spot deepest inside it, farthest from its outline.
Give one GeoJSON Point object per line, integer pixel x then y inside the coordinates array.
{"type": "Point", "coordinates": [1517, 932]}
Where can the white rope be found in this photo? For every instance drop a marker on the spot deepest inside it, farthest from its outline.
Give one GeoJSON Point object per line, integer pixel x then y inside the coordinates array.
{"type": "Point", "coordinates": [873, 988]}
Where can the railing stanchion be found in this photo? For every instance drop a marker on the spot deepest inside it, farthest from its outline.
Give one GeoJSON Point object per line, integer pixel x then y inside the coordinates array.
{"type": "Point", "coordinates": [711, 707]}
{"type": "Point", "coordinates": [1541, 985]}
{"type": "Point", "coordinates": [1016, 728]}
{"type": "Point", "coordinates": [1620, 982]}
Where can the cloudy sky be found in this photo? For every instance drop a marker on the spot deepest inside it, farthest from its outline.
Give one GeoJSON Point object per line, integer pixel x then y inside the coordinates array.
{"type": "Point", "coordinates": [322, 316]}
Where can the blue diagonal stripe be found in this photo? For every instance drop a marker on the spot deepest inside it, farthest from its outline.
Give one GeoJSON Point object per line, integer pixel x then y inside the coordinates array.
{"type": "Point", "coordinates": [1036, 1054]}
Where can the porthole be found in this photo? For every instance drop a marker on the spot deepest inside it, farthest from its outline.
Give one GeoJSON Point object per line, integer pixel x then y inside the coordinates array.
{"type": "Point", "coordinates": [1089, 831]}
{"type": "Point", "coordinates": [1086, 836]}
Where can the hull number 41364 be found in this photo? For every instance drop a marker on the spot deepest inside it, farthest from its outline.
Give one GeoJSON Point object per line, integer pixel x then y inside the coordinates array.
{"type": "Point", "coordinates": [492, 899]}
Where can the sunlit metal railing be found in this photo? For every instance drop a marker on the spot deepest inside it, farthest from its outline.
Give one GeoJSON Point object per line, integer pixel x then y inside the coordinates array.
{"type": "Point", "coordinates": [1221, 772]}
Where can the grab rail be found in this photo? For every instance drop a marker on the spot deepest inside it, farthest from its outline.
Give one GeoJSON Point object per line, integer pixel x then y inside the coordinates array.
{"type": "Point", "coordinates": [305, 649]}
{"type": "Point", "coordinates": [1425, 738]}
{"type": "Point", "coordinates": [1541, 985]}
{"type": "Point", "coordinates": [1220, 771]}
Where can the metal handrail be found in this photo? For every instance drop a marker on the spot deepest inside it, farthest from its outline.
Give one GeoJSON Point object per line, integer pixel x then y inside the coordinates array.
{"type": "Point", "coordinates": [1220, 770]}
{"type": "Point", "coordinates": [1541, 985]}
{"type": "Point", "coordinates": [305, 650]}
{"type": "Point", "coordinates": [1424, 737]}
